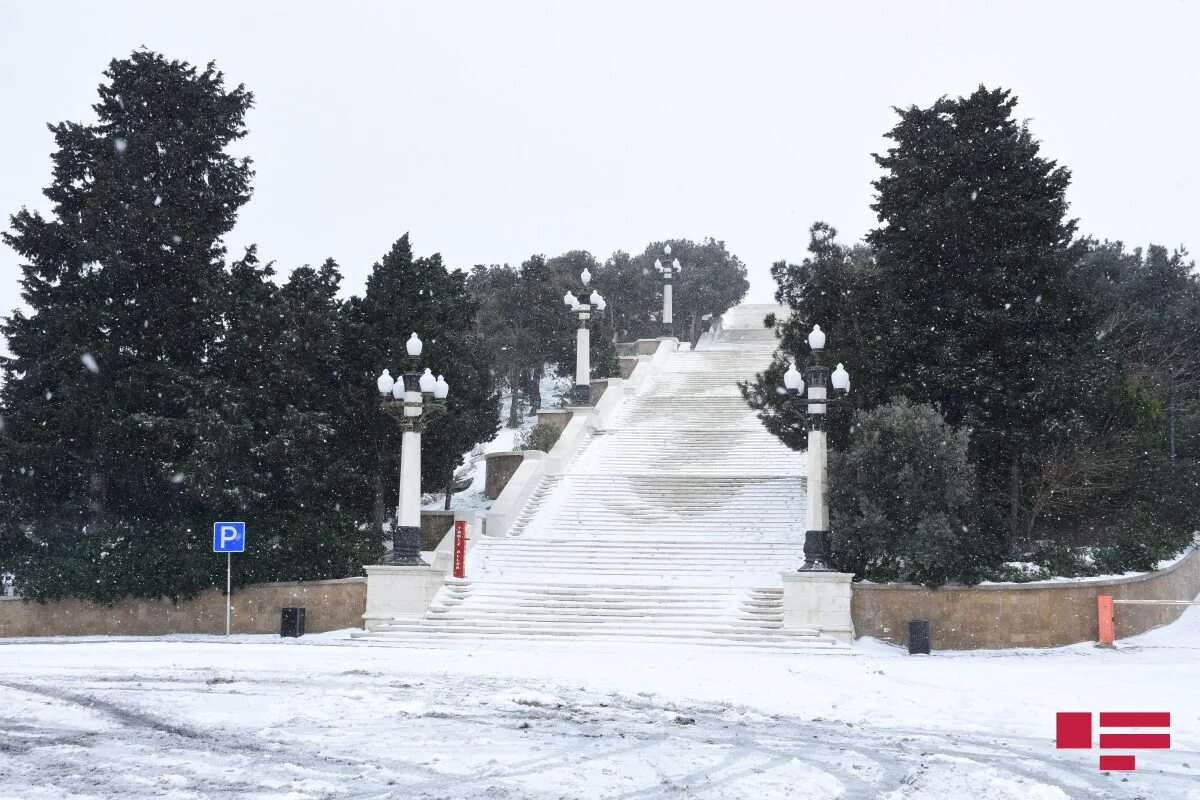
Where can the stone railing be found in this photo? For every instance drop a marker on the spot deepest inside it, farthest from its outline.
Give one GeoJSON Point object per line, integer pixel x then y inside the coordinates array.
{"type": "Point", "coordinates": [1038, 614]}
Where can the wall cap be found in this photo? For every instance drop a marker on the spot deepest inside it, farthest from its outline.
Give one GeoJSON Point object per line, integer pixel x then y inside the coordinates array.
{"type": "Point", "coordinates": [1083, 583]}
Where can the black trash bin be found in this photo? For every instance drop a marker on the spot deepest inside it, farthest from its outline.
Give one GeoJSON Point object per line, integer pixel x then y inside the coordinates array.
{"type": "Point", "coordinates": [918, 637]}
{"type": "Point", "coordinates": [291, 622]}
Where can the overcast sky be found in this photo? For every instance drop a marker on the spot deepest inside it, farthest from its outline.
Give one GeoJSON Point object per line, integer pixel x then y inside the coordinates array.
{"type": "Point", "coordinates": [493, 130]}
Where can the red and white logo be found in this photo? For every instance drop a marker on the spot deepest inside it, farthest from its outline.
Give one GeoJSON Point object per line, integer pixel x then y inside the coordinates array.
{"type": "Point", "coordinates": [1074, 732]}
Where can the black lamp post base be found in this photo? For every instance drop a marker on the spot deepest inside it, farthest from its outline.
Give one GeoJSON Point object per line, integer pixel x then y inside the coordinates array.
{"type": "Point", "coordinates": [817, 554]}
{"type": "Point", "coordinates": [581, 395]}
{"type": "Point", "coordinates": [406, 548]}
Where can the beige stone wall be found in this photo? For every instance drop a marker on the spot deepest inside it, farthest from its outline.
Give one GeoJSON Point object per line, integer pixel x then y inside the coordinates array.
{"type": "Point", "coordinates": [597, 388]}
{"type": "Point", "coordinates": [434, 525]}
{"type": "Point", "coordinates": [329, 605]}
{"type": "Point", "coordinates": [499, 469]}
{"type": "Point", "coordinates": [1021, 615]}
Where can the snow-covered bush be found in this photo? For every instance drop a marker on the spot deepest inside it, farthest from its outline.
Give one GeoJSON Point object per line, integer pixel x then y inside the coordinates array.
{"type": "Point", "coordinates": [901, 498]}
{"type": "Point", "coordinates": [539, 437]}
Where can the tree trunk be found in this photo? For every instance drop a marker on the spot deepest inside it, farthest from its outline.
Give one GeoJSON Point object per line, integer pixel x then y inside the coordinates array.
{"type": "Point", "coordinates": [449, 493]}
{"type": "Point", "coordinates": [692, 336]}
{"type": "Point", "coordinates": [1014, 500]}
{"type": "Point", "coordinates": [378, 511]}
{"type": "Point", "coordinates": [1171, 409]}
{"type": "Point", "coordinates": [535, 388]}
{"type": "Point", "coordinates": [514, 410]}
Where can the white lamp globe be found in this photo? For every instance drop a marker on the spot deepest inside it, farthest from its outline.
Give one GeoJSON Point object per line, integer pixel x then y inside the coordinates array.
{"type": "Point", "coordinates": [585, 276]}
{"type": "Point", "coordinates": [658, 265]}
{"type": "Point", "coordinates": [675, 264]}
{"type": "Point", "coordinates": [567, 299]}
{"type": "Point", "coordinates": [427, 380]}
{"type": "Point", "coordinates": [441, 388]}
{"type": "Point", "coordinates": [595, 299]}
{"type": "Point", "coordinates": [385, 383]}
{"type": "Point", "coordinates": [840, 378]}
{"type": "Point", "coordinates": [667, 249]}
{"type": "Point", "coordinates": [414, 345]}
{"type": "Point", "coordinates": [816, 338]}
{"type": "Point", "coordinates": [792, 379]}
{"type": "Point", "coordinates": [398, 390]}
{"type": "Point", "coordinates": [600, 303]}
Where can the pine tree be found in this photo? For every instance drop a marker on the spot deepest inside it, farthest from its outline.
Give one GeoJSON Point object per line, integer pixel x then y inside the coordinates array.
{"type": "Point", "coordinates": [115, 430]}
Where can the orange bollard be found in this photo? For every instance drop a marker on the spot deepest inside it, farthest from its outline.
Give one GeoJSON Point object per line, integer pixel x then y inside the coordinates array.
{"type": "Point", "coordinates": [1104, 606]}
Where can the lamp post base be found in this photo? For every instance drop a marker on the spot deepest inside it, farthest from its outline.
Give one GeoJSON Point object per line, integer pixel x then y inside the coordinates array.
{"type": "Point", "coordinates": [817, 554]}
{"type": "Point", "coordinates": [581, 395]}
{"type": "Point", "coordinates": [406, 548]}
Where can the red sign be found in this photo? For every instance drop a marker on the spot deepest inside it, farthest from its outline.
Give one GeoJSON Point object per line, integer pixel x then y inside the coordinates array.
{"type": "Point", "coordinates": [1074, 732]}
{"type": "Point", "coordinates": [460, 548]}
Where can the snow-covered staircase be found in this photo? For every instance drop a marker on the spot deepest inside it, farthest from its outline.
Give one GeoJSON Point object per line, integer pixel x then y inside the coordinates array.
{"type": "Point", "coordinates": [671, 523]}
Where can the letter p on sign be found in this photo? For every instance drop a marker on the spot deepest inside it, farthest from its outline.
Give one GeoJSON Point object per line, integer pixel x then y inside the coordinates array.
{"type": "Point", "coordinates": [229, 537]}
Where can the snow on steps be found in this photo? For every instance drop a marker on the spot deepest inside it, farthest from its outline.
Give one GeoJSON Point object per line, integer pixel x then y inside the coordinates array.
{"type": "Point", "coordinates": [673, 522]}
{"type": "Point", "coordinates": [613, 611]}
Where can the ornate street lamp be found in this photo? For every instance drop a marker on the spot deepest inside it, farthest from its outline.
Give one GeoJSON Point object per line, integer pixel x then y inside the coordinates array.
{"type": "Point", "coordinates": [816, 538]}
{"type": "Point", "coordinates": [667, 270]}
{"type": "Point", "coordinates": [411, 400]}
{"type": "Point", "coordinates": [581, 394]}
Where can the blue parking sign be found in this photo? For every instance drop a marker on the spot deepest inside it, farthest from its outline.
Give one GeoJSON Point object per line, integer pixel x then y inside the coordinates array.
{"type": "Point", "coordinates": [229, 537]}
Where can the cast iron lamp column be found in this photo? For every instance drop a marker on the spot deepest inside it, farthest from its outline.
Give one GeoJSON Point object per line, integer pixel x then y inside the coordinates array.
{"type": "Point", "coordinates": [581, 394]}
{"type": "Point", "coordinates": [406, 401]}
{"type": "Point", "coordinates": [816, 537]}
{"type": "Point", "coordinates": [667, 272]}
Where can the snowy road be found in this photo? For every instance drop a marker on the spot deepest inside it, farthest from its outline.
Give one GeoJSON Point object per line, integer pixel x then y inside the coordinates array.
{"type": "Point", "coordinates": [259, 717]}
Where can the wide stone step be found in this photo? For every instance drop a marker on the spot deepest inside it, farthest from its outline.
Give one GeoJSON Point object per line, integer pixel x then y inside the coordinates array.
{"type": "Point", "coordinates": [824, 645]}
{"type": "Point", "coordinates": [570, 627]}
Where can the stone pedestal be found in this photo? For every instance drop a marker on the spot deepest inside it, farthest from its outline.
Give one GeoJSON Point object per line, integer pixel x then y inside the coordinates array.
{"type": "Point", "coordinates": [399, 592]}
{"type": "Point", "coordinates": [818, 600]}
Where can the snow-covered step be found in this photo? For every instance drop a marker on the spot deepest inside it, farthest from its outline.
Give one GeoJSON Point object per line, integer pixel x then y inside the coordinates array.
{"type": "Point", "coordinates": [673, 523]}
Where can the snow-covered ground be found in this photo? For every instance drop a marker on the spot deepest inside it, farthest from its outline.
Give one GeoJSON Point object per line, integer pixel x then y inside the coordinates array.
{"type": "Point", "coordinates": [324, 717]}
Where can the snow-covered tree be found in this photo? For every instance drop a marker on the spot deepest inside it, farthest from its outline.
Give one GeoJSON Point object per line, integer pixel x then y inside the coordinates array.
{"type": "Point", "coordinates": [115, 427]}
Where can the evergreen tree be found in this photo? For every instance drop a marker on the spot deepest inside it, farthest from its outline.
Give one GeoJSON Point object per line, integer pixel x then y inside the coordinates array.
{"type": "Point", "coordinates": [116, 432]}
{"type": "Point", "coordinates": [988, 318]}
{"type": "Point", "coordinates": [901, 500]}
{"type": "Point", "coordinates": [836, 287]}
{"type": "Point", "coordinates": [406, 295]}
{"type": "Point", "coordinates": [710, 281]}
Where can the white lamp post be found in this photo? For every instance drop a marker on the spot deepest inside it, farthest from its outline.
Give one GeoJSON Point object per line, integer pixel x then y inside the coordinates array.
{"type": "Point", "coordinates": [405, 399]}
{"type": "Point", "coordinates": [581, 394]}
{"type": "Point", "coordinates": [667, 270]}
{"type": "Point", "coordinates": [816, 538]}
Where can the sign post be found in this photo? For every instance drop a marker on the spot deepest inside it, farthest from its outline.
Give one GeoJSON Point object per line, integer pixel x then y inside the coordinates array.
{"type": "Point", "coordinates": [229, 538]}
{"type": "Point", "coordinates": [460, 548]}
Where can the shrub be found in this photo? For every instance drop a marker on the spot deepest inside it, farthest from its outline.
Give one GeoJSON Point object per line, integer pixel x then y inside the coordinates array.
{"type": "Point", "coordinates": [901, 498]}
{"type": "Point", "coordinates": [539, 437]}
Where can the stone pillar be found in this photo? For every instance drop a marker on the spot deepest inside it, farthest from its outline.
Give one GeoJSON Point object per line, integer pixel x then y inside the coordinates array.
{"type": "Point", "coordinates": [408, 510]}
{"type": "Point", "coordinates": [818, 600]}
{"type": "Point", "coordinates": [399, 592]}
{"type": "Point", "coordinates": [582, 393]}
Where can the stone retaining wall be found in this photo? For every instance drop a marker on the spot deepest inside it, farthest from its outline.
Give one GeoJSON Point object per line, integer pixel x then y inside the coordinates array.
{"type": "Point", "coordinates": [1022, 615]}
{"type": "Point", "coordinates": [329, 605]}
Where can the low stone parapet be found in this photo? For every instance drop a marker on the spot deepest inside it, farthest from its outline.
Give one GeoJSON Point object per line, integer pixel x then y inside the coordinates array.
{"type": "Point", "coordinates": [1038, 614]}
{"type": "Point", "coordinates": [499, 468]}
{"type": "Point", "coordinates": [329, 605]}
